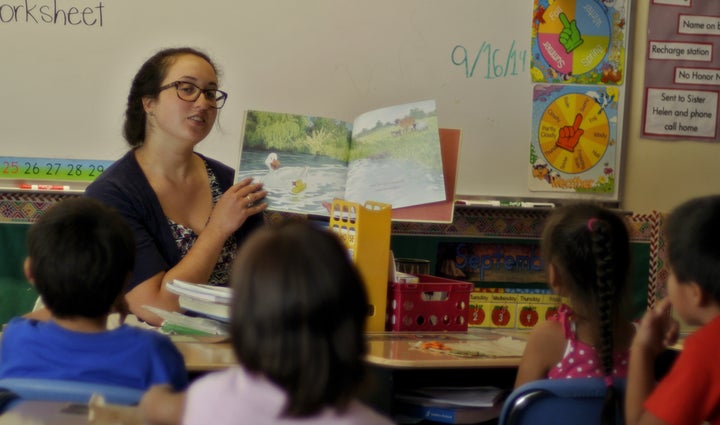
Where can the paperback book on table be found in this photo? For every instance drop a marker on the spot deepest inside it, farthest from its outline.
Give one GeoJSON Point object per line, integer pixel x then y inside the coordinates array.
{"type": "Point", "coordinates": [206, 300]}
{"type": "Point", "coordinates": [390, 155]}
{"type": "Point", "coordinates": [177, 323]}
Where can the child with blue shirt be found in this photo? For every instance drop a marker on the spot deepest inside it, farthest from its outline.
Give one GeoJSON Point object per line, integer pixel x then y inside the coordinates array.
{"type": "Point", "coordinates": [80, 256]}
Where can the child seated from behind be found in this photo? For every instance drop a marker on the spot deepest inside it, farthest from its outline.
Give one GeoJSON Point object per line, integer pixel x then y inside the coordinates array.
{"type": "Point", "coordinates": [297, 327]}
{"type": "Point", "coordinates": [690, 393]}
{"type": "Point", "coordinates": [80, 255]}
{"type": "Point", "coordinates": [586, 254]}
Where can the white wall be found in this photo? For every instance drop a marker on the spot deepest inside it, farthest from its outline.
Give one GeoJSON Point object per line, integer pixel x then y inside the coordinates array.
{"type": "Point", "coordinates": [661, 174]}
{"type": "Point", "coordinates": [65, 85]}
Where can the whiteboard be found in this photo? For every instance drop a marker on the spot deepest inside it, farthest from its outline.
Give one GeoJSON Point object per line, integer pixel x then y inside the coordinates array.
{"type": "Point", "coordinates": [67, 66]}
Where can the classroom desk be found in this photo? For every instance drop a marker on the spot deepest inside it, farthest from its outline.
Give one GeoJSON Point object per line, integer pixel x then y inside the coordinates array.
{"type": "Point", "coordinates": [36, 412]}
{"type": "Point", "coordinates": [202, 356]}
{"type": "Point", "coordinates": [393, 362]}
{"type": "Point", "coordinates": [399, 350]}
{"type": "Point", "coordinates": [385, 349]}
{"type": "Point", "coordinates": [396, 364]}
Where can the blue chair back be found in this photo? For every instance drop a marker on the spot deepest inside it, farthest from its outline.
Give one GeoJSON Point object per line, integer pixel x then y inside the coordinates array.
{"type": "Point", "coordinates": [559, 402]}
{"type": "Point", "coordinates": [70, 391]}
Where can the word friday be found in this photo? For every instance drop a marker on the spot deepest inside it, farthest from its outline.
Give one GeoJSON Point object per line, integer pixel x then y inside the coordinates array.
{"type": "Point", "coordinates": [38, 12]}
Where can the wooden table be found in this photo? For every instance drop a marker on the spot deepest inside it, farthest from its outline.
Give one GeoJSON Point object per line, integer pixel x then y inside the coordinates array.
{"type": "Point", "coordinates": [401, 350]}
{"type": "Point", "coordinates": [37, 412]}
{"type": "Point", "coordinates": [395, 350]}
{"type": "Point", "coordinates": [202, 356]}
{"type": "Point", "coordinates": [396, 363]}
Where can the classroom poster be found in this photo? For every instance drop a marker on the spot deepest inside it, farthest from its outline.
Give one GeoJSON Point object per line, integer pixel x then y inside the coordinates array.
{"type": "Point", "coordinates": [579, 41]}
{"type": "Point", "coordinates": [491, 262]}
{"type": "Point", "coordinates": [682, 70]}
{"type": "Point", "coordinates": [575, 147]}
{"type": "Point", "coordinates": [578, 69]}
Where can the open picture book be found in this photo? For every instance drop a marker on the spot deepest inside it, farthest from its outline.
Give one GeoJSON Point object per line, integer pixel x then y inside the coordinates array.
{"type": "Point", "coordinates": [390, 155]}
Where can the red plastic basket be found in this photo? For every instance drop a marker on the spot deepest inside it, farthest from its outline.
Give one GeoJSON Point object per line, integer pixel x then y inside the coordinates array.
{"type": "Point", "coordinates": [433, 304]}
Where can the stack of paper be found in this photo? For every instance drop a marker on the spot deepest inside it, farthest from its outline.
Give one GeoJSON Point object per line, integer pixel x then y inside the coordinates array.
{"type": "Point", "coordinates": [180, 324]}
{"type": "Point", "coordinates": [406, 278]}
{"type": "Point", "coordinates": [207, 300]}
{"type": "Point", "coordinates": [504, 346]}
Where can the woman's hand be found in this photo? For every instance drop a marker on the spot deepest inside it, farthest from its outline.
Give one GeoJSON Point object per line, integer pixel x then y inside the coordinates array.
{"type": "Point", "coordinates": [239, 202]}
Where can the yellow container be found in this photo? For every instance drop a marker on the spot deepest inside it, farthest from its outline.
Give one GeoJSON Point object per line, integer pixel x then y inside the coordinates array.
{"type": "Point", "coordinates": [365, 230]}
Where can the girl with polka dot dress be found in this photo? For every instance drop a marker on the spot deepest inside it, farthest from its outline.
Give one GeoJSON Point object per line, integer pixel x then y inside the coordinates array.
{"type": "Point", "coordinates": [586, 255]}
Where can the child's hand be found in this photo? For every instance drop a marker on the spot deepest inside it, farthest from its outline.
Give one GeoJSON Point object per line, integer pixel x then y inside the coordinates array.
{"type": "Point", "coordinates": [657, 330]}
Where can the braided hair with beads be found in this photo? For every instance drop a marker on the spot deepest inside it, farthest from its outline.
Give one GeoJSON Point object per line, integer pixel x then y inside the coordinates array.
{"type": "Point", "coordinates": [590, 249]}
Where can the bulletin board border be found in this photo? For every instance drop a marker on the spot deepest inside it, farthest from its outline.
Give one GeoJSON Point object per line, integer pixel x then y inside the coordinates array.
{"type": "Point", "coordinates": [507, 223]}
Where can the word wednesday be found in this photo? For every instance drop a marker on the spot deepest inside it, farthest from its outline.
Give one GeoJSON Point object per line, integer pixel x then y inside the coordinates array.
{"type": "Point", "coordinates": [39, 12]}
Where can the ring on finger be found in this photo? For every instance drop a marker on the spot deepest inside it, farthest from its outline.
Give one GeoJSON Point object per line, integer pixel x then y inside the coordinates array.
{"type": "Point", "coordinates": [249, 198]}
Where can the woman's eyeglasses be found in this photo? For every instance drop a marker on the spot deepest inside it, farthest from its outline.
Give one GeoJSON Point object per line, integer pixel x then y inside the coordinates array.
{"type": "Point", "coordinates": [189, 92]}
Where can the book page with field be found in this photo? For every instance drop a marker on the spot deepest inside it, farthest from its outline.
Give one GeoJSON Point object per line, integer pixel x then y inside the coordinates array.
{"type": "Point", "coordinates": [395, 156]}
{"type": "Point", "coordinates": [442, 211]}
{"type": "Point", "coordinates": [305, 162]}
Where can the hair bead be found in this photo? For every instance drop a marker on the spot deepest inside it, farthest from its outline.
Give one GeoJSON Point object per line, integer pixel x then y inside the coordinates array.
{"type": "Point", "coordinates": [590, 223]}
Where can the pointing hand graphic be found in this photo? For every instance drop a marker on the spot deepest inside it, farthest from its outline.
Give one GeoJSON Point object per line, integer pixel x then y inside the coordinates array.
{"type": "Point", "coordinates": [570, 135]}
{"type": "Point", "coordinates": [570, 37]}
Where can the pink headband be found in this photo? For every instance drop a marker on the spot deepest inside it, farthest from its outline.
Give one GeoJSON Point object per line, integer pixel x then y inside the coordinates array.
{"type": "Point", "coordinates": [591, 223]}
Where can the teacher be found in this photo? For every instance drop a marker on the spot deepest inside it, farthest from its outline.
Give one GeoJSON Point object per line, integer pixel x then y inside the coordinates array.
{"type": "Point", "coordinates": [187, 216]}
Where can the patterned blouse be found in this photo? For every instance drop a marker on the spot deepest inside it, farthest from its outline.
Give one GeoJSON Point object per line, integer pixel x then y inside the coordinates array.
{"type": "Point", "coordinates": [186, 237]}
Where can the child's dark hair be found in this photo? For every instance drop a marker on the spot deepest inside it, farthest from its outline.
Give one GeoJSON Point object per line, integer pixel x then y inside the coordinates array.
{"type": "Point", "coordinates": [693, 235]}
{"type": "Point", "coordinates": [81, 254]}
{"type": "Point", "coordinates": [298, 315]}
{"type": "Point", "coordinates": [589, 247]}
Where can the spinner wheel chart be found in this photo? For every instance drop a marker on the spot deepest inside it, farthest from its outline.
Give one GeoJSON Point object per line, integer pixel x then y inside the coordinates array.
{"type": "Point", "coordinates": [575, 35]}
{"type": "Point", "coordinates": [573, 133]}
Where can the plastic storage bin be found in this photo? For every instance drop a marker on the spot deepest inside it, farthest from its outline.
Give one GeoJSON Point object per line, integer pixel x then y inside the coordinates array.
{"type": "Point", "coordinates": [434, 304]}
{"type": "Point", "coordinates": [365, 230]}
